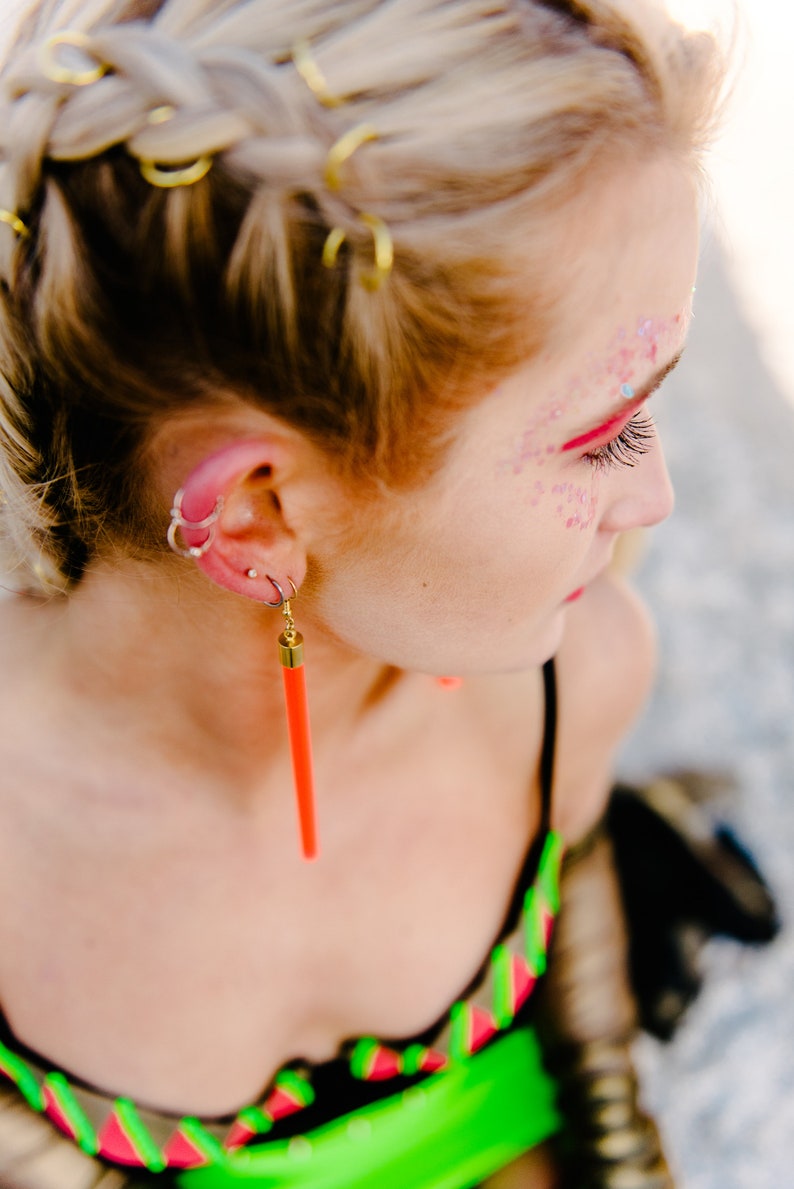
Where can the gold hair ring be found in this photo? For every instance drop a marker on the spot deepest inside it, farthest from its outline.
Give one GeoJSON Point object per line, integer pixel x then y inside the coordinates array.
{"type": "Point", "coordinates": [311, 74]}
{"type": "Point", "coordinates": [383, 247]}
{"type": "Point", "coordinates": [22, 230]}
{"type": "Point", "coordinates": [168, 179]}
{"type": "Point", "coordinates": [384, 251]}
{"type": "Point", "coordinates": [344, 149]}
{"type": "Point", "coordinates": [161, 114]}
{"type": "Point", "coordinates": [336, 237]}
{"type": "Point", "coordinates": [65, 74]}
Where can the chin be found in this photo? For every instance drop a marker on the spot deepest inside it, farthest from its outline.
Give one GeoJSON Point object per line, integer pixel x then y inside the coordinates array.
{"type": "Point", "coordinates": [545, 642]}
{"type": "Point", "coordinates": [512, 651]}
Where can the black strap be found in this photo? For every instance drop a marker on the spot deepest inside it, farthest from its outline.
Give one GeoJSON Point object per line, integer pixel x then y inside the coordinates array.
{"type": "Point", "coordinates": [549, 741]}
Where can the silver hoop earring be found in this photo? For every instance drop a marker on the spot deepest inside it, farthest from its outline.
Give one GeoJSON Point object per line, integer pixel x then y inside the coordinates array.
{"type": "Point", "coordinates": [282, 598]}
{"type": "Point", "coordinates": [179, 521]}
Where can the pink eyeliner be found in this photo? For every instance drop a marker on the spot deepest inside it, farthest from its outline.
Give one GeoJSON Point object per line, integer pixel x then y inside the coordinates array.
{"type": "Point", "coordinates": [615, 423]}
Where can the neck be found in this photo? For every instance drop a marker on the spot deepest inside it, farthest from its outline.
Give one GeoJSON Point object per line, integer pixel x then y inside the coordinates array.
{"type": "Point", "coordinates": [194, 671]}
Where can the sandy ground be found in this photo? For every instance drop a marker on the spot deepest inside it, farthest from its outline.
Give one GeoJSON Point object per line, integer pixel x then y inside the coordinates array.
{"type": "Point", "coordinates": [719, 577]}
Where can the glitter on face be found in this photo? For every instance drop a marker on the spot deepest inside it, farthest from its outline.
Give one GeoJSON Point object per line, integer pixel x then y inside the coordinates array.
{"type": "Point", "coordinates": [577, 505]}
{"type": "Point", "coordinates": [538, 490]}
{"type": "Point", "coordinates": [616, 372]}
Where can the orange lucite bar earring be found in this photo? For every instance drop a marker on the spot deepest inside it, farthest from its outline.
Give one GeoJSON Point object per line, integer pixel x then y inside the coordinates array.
{"type": "Point", "coordinates": [290, 646]}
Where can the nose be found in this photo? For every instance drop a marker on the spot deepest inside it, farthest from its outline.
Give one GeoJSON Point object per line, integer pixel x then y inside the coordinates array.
{"type": "Point", "coordinates": [642, 496]}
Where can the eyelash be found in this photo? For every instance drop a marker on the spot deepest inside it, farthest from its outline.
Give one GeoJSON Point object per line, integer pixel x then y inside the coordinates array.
{"type": "Point", "coordinates": [634, 440]}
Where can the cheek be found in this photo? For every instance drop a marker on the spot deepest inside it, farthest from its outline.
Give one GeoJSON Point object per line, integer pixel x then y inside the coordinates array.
{"type": "Point", "coordinates": [576, 504]}
{"type": "Point", "coordinates": [569, 503]}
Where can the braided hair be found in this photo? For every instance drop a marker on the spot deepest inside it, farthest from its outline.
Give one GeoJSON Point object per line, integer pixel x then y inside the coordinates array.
{"type": "Point", "coordinates": [170, 165]}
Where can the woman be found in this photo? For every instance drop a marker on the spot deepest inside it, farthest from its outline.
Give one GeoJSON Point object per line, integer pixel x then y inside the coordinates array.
{"type": "Point", "coordinates": [380, 291]}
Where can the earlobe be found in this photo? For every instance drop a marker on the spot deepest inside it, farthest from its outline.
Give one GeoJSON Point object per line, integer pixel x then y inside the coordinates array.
{"type": "Point", "coordinates": [220, 520]}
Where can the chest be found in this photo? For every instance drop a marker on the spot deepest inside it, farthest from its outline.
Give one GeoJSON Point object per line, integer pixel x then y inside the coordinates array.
{"type": "Point", "coordinates": [186, 967]}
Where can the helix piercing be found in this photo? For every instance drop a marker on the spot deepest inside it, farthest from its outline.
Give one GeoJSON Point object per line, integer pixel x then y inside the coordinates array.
{"type": "Point", "coordinates": [178, 521]}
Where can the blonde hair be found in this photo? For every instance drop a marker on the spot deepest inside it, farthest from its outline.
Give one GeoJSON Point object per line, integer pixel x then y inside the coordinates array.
{"type": "Point", "coordinates": [129, 302]}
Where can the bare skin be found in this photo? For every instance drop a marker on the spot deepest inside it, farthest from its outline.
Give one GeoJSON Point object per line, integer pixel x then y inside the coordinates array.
{"type": "Point", "coordinates": [147, 840]}
{"type": "Point", "coordinates": [192, 874]}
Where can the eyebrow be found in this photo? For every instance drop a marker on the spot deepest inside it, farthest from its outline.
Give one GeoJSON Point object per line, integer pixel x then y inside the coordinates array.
{"type": "Point", "coordinates": [627, 409]}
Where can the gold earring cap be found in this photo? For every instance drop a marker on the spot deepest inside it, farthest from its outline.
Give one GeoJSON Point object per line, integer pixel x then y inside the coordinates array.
{"type": "Point", "coordinates": [290, 650]}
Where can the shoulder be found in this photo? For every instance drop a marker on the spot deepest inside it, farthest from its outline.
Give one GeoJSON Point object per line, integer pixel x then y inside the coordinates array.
{"type": "Point", "coordinates": [605, 668]}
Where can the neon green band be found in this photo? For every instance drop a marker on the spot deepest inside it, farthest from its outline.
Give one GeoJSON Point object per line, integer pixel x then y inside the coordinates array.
{"type": "Point", "coordinates": [84, 1133]}
{"type": "Point", "coordinates": [128, 1116]}
{"type": "Point", "coordinates": [448, 1132]}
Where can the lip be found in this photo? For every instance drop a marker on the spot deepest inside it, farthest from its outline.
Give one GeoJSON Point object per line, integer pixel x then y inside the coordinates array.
{"type": "Point", "coordinates": [580, 590]}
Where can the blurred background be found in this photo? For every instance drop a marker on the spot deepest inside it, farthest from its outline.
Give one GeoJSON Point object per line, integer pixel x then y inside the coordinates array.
{"type": "Point", "coordinates": [752, 167]}
{"type": "Point", "coordinates": [720, 578]}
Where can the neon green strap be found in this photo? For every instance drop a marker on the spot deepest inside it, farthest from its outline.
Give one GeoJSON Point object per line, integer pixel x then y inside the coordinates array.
{"type": "Point", "coordinates": [448, 1132]}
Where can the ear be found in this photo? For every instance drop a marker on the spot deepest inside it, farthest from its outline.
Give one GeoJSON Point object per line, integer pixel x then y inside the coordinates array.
{"type": "Point", "coordinates": [231, 519]}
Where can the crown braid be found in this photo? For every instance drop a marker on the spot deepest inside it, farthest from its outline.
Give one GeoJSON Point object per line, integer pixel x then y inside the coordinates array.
{"type": "Point", "coordinates": [132, 300]}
